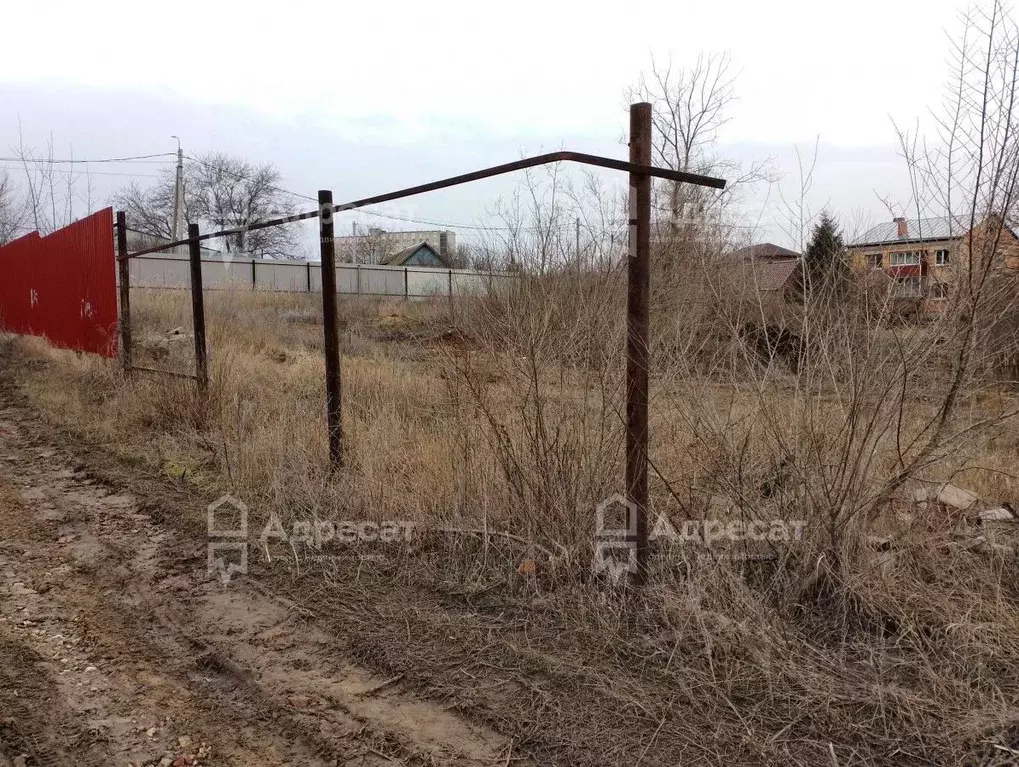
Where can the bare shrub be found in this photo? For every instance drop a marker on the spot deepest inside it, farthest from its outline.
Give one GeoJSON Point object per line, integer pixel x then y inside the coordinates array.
{"type": "Point", "coordinates": [539, 388]}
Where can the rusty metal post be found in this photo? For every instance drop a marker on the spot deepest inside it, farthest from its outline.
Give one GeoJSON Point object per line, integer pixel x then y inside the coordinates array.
{"type": "Point", "coordinates": [124, 269]}
{"type": "Point", "coordinates": [449, 289]}
{"type": "Point", "coordinates": [198, 307]}
{"type": "Point", "coordinates": [637, 347]}
{"type": "Point", "coordinates": [334, 414]}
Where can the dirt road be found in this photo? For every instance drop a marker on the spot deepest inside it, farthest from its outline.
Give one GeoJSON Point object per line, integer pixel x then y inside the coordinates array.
{"type": "Point", "coordinates": [117, 647]}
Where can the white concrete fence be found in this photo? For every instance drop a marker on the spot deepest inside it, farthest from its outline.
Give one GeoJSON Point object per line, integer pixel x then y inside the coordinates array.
{"type": "Point", "coordinates": [173, 271]}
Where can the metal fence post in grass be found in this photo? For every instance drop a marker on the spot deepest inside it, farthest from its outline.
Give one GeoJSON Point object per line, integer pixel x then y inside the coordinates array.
{"type": "Point", "coordinates": [449, 289]}
{"type": "Point", "coordinates": [334, 413]}
{"type": "Point", "coordinates": [637, 348]}
{"type": "Point", "coordinates": [198, 307]}
{"type": "Point", "coordinates": [124, 269]}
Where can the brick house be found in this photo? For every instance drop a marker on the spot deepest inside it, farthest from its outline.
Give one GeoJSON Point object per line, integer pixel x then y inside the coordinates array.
{"type": "Point", "coordinates": [921, 259]}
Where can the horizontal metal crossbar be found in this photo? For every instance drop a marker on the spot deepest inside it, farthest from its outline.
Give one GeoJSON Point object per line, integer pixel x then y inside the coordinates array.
{"type": "Point", "coordinates": [466, 178]}
{"type": "Point", "coordinates": [171, 373]}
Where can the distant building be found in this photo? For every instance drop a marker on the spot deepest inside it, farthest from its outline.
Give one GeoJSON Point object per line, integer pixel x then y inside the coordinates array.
{"type": "Point", "coordinates": [766, 251]}
{"type": "Point", "coordinates": [921, 259]}
{"type": "Point", "coordinates": [773, 273]}
{"type": "Point", "coordinates": [377, 246]}
{"type": "Point", "coordinates": [421, 254]}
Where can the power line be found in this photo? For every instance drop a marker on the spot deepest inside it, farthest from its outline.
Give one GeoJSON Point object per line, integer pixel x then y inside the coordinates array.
{"type": "Point", "coordinates": [93, 172]}
{"type": "Point", "coordinates": [48, 161]}
{"type": "Point", "coordinates": [446, 224]}
{"type": "Point", "coordinates": [366, 211]}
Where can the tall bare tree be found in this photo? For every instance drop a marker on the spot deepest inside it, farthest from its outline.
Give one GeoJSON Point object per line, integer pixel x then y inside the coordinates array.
{"type": "Point", "coordinates": [51, 187]}
{"type": "Point", "coordinates": [221, 191]}
{"type": "Point", "coordinates": [690, 108]}
{"type": "Point", "coordinates": [966, 169]}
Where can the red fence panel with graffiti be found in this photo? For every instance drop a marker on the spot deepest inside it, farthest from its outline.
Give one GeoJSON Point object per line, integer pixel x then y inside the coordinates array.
{"type": "Point", "coordinates": [63, 286]}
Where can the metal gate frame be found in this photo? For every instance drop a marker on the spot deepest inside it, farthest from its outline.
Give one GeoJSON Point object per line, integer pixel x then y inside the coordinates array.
{"type": "Point", "coordinates": [638, 357]}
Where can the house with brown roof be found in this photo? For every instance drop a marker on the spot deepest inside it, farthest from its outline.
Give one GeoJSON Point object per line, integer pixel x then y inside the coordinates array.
{"type": "Point", "coordinates": [765, 251]}
{"type": "Point", "coordinates": [773, 273]}
{"type": "Point", "coordinates": [922, 259]}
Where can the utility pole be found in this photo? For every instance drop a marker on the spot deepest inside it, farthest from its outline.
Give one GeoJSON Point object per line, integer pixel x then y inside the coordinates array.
{"type": "Point", "coordinates": [178, 196]}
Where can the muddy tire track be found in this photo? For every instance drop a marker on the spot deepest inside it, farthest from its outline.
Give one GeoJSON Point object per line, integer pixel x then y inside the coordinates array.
{"type": "Point", "coordinates": [121, 649]}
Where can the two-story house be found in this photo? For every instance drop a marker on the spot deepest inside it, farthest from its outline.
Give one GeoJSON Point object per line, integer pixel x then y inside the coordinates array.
{"type": "Point", "coordinates": [922, 259]}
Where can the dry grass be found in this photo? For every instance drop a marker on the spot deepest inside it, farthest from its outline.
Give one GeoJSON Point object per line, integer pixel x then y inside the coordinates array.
{"type": "Point", "coordinates": [505, 417]}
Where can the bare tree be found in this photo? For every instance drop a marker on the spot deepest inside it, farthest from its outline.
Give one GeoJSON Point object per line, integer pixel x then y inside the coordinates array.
{"type": "Point", "coordinates": [149, 209]}
{"type": "Point", "coordinates": [967, 170]}
{"type": "Point", "coordinates": [844, 465]}
{"type": "Point", "coordinates": [50, 187]}
{"type": "Point", "coordinates": [375, 247]}
{"type": "Point", "coordinates": [553, 222]}
{"type": "Point", "coordinates": [13, 213]}
{"type": "Point", "coordinates": [690, 108]}
{"type": "Point", "coordinates": [220, 192]}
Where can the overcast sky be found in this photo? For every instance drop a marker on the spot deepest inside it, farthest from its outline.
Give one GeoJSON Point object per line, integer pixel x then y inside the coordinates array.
{"type": "Point", "coordinates": [361, 98]}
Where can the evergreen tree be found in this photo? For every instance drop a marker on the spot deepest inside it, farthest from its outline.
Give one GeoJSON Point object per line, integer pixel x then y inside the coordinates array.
{"type": "Point", "coordinates": [825, 262]}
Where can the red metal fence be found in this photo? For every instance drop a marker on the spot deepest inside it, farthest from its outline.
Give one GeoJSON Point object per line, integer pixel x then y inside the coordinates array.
{"type": "Point", "coordinates": [63, 286]}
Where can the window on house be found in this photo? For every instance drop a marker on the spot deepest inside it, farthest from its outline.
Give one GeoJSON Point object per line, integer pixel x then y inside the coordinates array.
{"type": "Point", "coordinates": [875, 260]}
{"type": "Point", "coordinates": [941, 257]}
{"type": "Point", "coordinates": [907, 287]}
{"type": "Point", "coordinates": [906, 258]}
{"type": "Point", "coordinates": [939, 290]}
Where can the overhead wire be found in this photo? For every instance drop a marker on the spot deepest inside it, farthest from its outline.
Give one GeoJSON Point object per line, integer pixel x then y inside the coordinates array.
{"type": "Point", "coordinates": [160, 158]}
{"type": "Point", "coordinates": [50, 161]}
{"type": "Point", "coordinates": [62, 172]}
